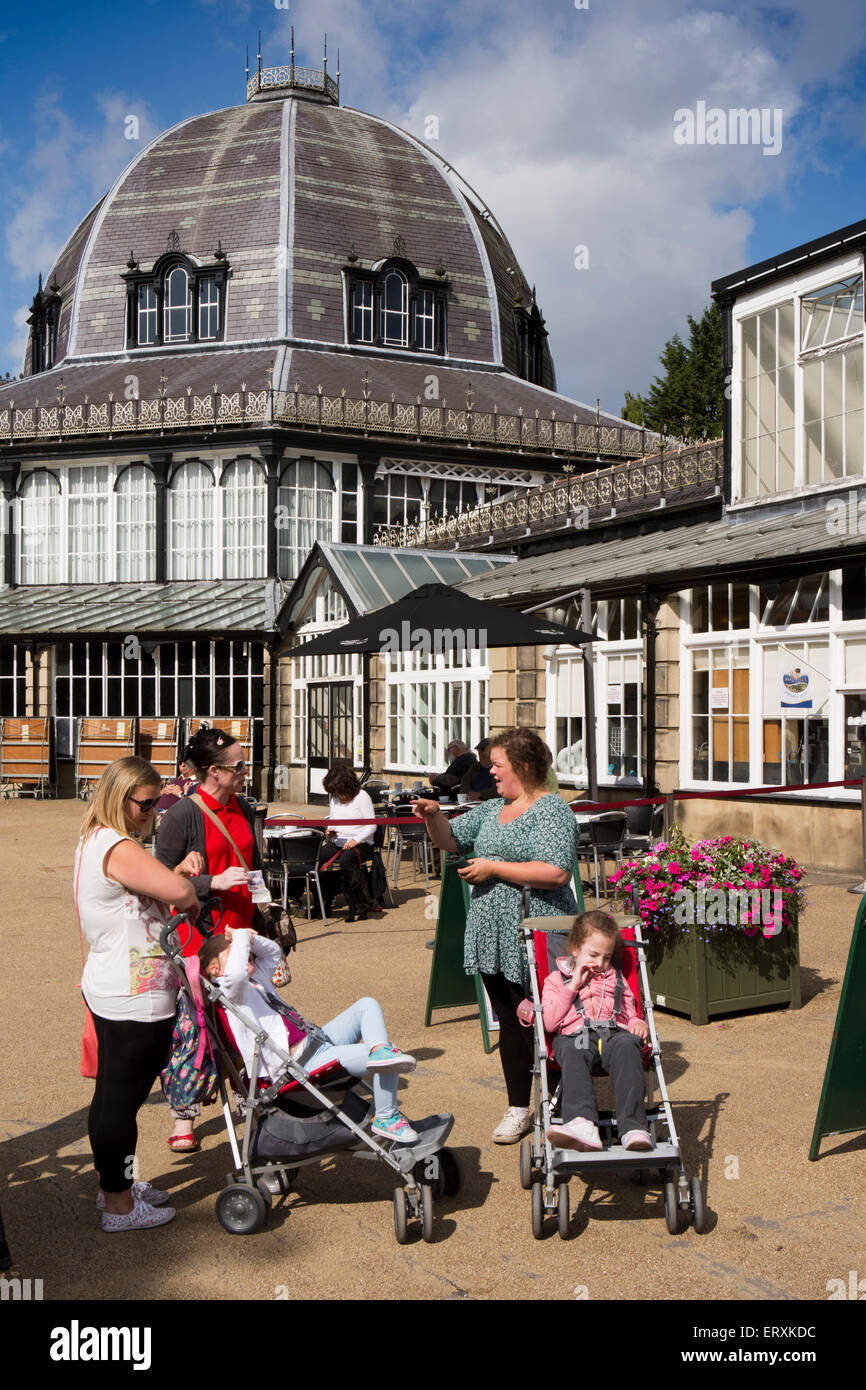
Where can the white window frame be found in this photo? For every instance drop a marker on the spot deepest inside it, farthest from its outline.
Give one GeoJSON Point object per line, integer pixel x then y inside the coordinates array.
{"type": "Point", "coordinates": [792, 288]}
{"type": "Point", "coordinates": [406, 673]}
{"type": "Point", "coordinates": [834, 631]}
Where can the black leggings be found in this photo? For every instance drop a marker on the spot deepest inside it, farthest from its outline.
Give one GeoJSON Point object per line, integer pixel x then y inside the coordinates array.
{"type": "Point", "coordinates": [131, 1056]}
{"type": "Point", "coordinates": [515, 1041]}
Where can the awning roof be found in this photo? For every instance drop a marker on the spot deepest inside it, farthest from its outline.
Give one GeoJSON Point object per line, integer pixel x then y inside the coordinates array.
{"type": "Point", "coordinates": [240, 606]}
{"type": "Point", "coordinates": [680, 555]}
{"type": "Point", "coordinates": [370, 576]}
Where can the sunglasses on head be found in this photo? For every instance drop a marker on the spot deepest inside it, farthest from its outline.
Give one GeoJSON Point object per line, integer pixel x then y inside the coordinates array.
{"type": "Point", "coordinates": [149, 804]}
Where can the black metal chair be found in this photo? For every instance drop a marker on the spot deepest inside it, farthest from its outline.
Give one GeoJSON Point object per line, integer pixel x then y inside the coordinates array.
{"type": "Point", "coordinates": [299, 858]}
{"type": "Point", "coordinates": [604, 836]}
{"type": "Point", "coordinates": [643, 828]}
{"type": "Point", "coordinates": [414, 835]}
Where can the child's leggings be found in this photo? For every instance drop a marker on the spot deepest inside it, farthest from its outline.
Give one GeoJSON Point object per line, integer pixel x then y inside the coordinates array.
{"type": "Point", "coordinates": [622, 1059]}
{"type": "Point", "coordinates": [353, 1033]}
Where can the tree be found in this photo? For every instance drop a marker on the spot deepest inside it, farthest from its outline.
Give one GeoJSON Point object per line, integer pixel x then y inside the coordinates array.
{"type": "Point", "coordinates": [688, 400]}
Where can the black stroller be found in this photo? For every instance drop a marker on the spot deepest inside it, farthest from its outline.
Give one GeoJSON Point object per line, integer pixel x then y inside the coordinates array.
{"type": "Point", "coordinates": [303, 1118]}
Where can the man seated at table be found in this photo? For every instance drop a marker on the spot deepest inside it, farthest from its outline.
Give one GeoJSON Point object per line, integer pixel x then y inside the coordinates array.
{"type": "Point", "coordinates": [477, 782]}
{"type": "Point", "coordinates": [459, 761]}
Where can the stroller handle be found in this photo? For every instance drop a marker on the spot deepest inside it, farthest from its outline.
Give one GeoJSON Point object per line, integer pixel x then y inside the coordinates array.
{"type": "Point", "coordinates": [204, 924]}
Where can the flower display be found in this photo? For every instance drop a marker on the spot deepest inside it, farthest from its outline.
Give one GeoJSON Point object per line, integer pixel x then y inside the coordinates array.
{"type": "Point", "coordinates": [723, 885]}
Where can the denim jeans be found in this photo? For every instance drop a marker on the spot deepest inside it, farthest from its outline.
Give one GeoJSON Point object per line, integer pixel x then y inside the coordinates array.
{"type": "Point", "coordinates": [353, 1033]}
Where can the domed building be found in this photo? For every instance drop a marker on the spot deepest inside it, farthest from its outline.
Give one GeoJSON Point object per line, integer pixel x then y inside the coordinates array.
{"type": "Point", "coordinates": [287, 329]}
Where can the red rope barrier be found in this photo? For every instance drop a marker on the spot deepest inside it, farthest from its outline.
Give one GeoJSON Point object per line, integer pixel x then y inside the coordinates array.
{"type": "Point", "coordinates": [594, 807]}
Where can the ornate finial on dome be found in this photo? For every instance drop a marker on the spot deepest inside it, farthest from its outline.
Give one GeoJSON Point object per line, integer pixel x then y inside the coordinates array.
{"type": "Point", "coordinates": [132, 263]}
{"type": "Point", "coordinates": [219, 254]}
{"type": "Point", "coordinates": [440, 272]}
{"type": "Point", "coordinates": [247, 71]}
{"type": "Point", "coordinates": [352, 258]}
{"type": "Point", "coordinates": [292, 49]}
{"type": "Point", "coordinates": [325, 63]}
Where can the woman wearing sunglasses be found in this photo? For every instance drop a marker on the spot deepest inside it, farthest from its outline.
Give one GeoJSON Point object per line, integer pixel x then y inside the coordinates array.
{"type": "Point", "coordinates": [122, 896]}
{"type": "Point", "coordinates": [215, 832]}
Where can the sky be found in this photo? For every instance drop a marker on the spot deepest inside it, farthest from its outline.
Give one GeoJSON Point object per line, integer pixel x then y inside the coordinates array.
{"type": "Point", "coordinates": [579, 123]}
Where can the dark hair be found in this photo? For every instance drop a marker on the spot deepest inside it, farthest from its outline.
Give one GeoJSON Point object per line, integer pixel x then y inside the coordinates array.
{"type": "Point", "coordinates": [205, 748]}
{"type": "Point", "coordinates": [588, 922]}
{"type": "Point", "coordinates": [528, 754]}
{"type": "Point", "coordinates": [210, 950]}
{"type": "Point", "coordinates": [341, 781]}
{"type": "Point", "coordinates": [483, 746]}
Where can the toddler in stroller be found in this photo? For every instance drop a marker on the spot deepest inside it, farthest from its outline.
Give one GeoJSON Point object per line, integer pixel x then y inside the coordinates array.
{"type": "Point", "coordinates": [243, 963]}
{"type": "Point", "coordinates": [588, 1007]}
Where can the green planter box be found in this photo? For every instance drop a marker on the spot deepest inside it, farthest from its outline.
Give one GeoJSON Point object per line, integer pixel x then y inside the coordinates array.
{"type": "Point", "coordinates": [727, 973]}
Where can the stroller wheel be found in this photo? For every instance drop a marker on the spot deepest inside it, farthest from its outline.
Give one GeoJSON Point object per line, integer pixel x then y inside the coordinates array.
{"type": "Point", "coordinates": [538, 1210]}
{"type": "Point", "coordinates": [241, 1210]}
{"type": "Point", "coordinates": [452, 1176]}
{"type": "Point", "coordinates": [401, 1215]}
{"type": "Point", "coordinates": [672, 1210]}
{"type": "Point", "coordinates": [699, 1211]}
{"type": "Point", "coordinates": [426, 1212]}
{"type": "Point", "coordinates": [562, 1211]}
{"type": "Point", "coordinates": [526, 1163]}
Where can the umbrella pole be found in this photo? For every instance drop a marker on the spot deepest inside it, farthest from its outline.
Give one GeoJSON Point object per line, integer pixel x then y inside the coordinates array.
{"type": "Point", "coordinates": [589, 699]}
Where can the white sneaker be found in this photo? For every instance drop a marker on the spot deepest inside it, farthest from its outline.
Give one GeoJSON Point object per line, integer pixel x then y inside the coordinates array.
{"type": "Point", "coordinates": [153, 1196]}
{"type": "Point", "coordinates": [516, 1122]}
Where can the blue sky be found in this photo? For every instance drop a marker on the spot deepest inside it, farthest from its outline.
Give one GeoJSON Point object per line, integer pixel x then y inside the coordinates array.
{"type": "Point", "coordinates": [562, 118]}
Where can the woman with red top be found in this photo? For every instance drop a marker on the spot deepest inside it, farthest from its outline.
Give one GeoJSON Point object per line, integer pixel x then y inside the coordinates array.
{"type": "Point", "coordinates": [196, 826]}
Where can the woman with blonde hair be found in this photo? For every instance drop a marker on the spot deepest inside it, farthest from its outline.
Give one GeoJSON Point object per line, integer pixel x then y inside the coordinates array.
{"type": "Point", "coordinates": [122, 895]}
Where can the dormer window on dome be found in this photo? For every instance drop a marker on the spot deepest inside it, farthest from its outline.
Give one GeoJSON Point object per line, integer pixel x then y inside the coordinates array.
{"type": "Point", "coordinates": [178, 301]}
{"type": "Point", "coordinates": [530, 333]}
{"type": "Point", "coordinates": [393, 306]}
{"type": "Point", "coordinates": [44, 319]}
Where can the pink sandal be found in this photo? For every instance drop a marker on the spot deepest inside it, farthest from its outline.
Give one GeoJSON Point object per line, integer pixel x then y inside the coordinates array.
{"type": "Point", "coordinates": [183, 1143]}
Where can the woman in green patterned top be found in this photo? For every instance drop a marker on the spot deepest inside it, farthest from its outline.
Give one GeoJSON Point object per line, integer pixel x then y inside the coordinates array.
{"type": "Point", "coordinates": [523, 838]}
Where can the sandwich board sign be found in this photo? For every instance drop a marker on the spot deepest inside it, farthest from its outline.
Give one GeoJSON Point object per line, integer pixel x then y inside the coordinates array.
{"type": "Point", "coordinates": [449, 984]}
{"type": "Point", "coordinates": [842, 1107]}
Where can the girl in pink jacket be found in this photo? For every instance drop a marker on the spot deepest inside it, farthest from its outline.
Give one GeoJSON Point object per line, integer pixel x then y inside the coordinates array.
{"type": "Point", "coordinates": [588, 1007]}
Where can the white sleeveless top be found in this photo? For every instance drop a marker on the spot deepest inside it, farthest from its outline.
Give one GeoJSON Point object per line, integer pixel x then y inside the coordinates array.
{"type": "Point", "coordinates": [126, 975]}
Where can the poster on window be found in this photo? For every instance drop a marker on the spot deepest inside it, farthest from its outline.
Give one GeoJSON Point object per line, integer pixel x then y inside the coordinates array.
{"type": "Point", "coordinates": [795, 683]}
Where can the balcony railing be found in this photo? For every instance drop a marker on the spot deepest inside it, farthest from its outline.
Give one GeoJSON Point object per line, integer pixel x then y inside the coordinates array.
{"type": "Point", "coordinates": [521, 433]}
{"type": "Point", "coordinates": [290, 75]}
{"type": "Point", "coordinates": [674, 478]}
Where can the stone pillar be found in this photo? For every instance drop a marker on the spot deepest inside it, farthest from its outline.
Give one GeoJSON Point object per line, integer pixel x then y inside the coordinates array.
{"type": "Point", "coordinates": [272, 457]}
{"type": "Point", "coordinates": [529, 710]}
{"type": "Point", "coordinates": [667, 703]}
{"type": "Point", "coordinates": [502, 692]}
{"type": "Point", "coordinates": [378, 709]}
{"type": "Point", "coordinates": [160, 462]}
{"type": "Point", "coordinates": [9, 471]}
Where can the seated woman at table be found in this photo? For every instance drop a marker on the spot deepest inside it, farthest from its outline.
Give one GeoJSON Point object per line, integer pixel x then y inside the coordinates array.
{"type": "Point", "coordinates": [349, 846]}
{"type": "Point", "coordinates": [524, 838]}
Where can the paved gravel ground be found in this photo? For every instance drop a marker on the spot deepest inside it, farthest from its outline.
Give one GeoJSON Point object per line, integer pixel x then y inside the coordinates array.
{"type": "Point", "coordinates": [744, 1091]}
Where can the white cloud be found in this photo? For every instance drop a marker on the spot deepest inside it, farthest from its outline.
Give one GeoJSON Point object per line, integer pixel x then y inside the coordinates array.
{"type": "Point", "coordinates": [69, 167]}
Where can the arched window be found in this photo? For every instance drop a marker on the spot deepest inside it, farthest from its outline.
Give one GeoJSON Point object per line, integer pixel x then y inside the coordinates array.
{"type": "Point", "coordinates": [41, 551]}
{"type": "Point", "coordinates": [244, 507]}
{"type": "Point", "coordinates": [177, 306]}
{"type": "Point", "coordinates": [393, 306]}
{"type": "Point", "coordinates": [87, 524]}
{"type": "Point", "coordinates": [395, 309]}
{"type": "Point", "coordinates": [191, 522]}
{"type": "Point", "coordinates": [305, 513]}
{"type": "Point", "coordinates": [136, 524]}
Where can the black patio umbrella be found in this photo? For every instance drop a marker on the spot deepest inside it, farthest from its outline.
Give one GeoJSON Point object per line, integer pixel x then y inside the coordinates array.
{"type": "Point", "coordinates": [438, 618]}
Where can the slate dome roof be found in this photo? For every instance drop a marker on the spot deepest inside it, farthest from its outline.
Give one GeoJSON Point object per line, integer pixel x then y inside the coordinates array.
{"type": "Point", "coordinates": [289, 184]}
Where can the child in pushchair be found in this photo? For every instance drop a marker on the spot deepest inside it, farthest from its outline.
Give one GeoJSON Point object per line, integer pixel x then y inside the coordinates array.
{"type": "Point", "coordinates": [243, 964]}
{"type": "Point", "coordinates": [592, 1014]}
{"type": "Point", "coordinates": [297, 1087]}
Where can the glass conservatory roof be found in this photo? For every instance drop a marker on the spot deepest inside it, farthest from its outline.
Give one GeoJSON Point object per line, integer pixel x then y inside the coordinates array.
{"type": "Point", "coordinates": [372, 577]}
